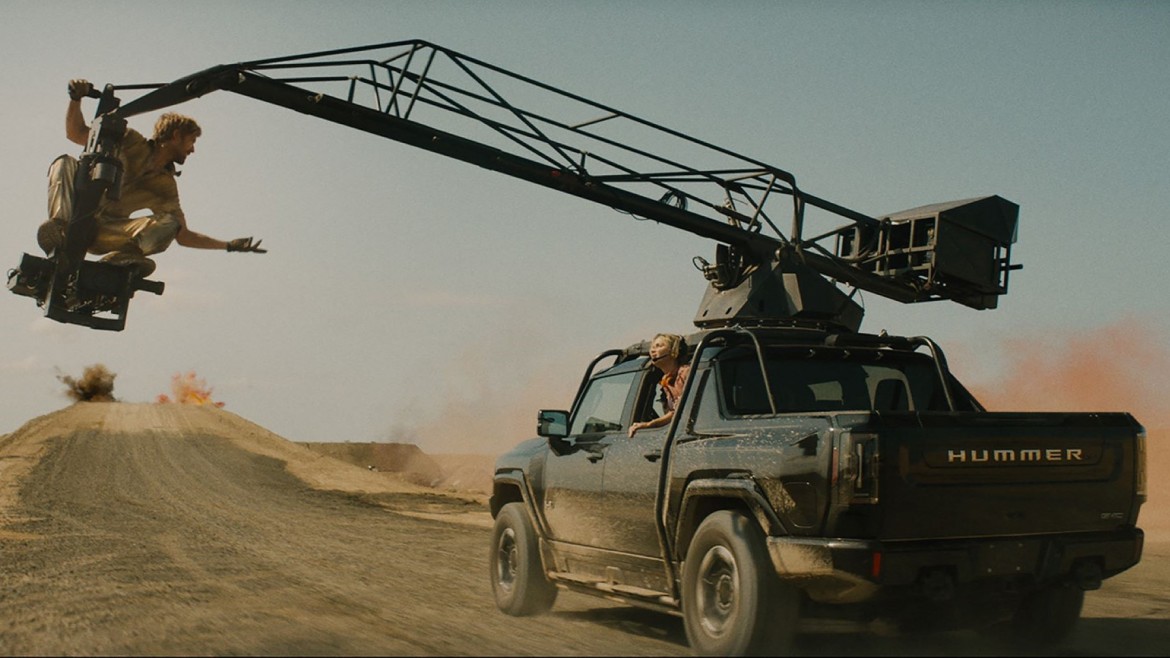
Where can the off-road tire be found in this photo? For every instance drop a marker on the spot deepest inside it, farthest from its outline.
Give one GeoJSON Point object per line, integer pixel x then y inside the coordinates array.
{"type": "Point", "coordinates": [732, 602]}
{"type": "Point", "coordinates": [518, 580]}
{"type": "Point", "coordinates": [1047, 616]}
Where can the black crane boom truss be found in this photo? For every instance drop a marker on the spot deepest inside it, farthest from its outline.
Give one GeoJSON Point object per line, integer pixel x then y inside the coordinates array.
{"type": "Point", "coordinates": [436, 99]}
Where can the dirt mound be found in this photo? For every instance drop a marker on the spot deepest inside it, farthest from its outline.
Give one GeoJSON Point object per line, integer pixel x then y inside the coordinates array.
{"type": "Point", "coordinates": [163, 529]}
{"type": "Point", "coordinates": [22, 449]}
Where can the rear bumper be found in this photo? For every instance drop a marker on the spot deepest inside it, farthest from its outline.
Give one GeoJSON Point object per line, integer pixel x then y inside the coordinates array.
{"type": "Point", "coordinates": [855, 570]}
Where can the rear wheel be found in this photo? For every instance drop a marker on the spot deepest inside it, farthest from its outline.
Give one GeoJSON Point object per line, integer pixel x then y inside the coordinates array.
{"type": "Point", "coordinates": [1046, 617]}
{"type": "Point", "coordinates": [518, 579]}
{"type": "Point", "coordinates": [732, 601]}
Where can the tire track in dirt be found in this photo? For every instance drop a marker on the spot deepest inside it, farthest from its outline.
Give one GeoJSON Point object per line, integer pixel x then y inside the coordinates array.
{"type": "Point", "coordinates": [169, 539]}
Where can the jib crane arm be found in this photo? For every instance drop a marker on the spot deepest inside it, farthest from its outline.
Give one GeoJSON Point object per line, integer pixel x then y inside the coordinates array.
{"type": "Point", "coordinates": [436, 99]}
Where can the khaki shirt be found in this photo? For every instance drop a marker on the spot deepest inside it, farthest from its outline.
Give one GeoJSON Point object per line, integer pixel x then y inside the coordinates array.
{"type": "Point", "coordinates": [143, 187]}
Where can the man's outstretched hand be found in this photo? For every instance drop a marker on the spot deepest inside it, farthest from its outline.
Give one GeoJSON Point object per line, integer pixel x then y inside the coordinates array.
{"type": "Point", "coordinates": [246, 244]}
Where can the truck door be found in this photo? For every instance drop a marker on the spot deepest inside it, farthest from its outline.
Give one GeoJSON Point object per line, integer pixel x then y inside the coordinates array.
{"type": "Point", "coordinates": [632, 467]}
{"type": "Point", "coordinates": [574, 507]}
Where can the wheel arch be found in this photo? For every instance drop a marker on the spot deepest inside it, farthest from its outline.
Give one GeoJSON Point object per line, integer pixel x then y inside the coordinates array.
{"type": "Point", "coordinates": [705, 496]}
{"type": "Point", "coordinates": [507, 487]}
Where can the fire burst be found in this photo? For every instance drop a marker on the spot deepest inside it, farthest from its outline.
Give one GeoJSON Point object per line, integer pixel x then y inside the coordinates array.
{"type": "Point", "coordinates": [189, 389]}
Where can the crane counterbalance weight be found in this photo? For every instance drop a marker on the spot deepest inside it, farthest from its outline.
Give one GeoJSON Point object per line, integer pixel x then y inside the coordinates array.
{"type": "Point", "coordinates": [436, 99]}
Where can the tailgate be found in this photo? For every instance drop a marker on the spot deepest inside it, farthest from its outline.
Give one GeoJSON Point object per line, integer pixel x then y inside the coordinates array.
{"type": "Point", "coordinates": [996, 474]}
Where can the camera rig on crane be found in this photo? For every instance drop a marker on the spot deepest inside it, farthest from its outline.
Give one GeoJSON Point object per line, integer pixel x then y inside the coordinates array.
{"type": "Point", "coordinates": [436, 99]}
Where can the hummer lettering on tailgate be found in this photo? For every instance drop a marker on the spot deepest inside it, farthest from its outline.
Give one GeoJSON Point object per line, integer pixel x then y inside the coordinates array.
{"type": "Point", "coordinates": [1002, 456]}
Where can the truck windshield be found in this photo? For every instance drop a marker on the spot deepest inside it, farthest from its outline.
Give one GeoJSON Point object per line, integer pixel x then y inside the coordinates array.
{"type": "Point", "coordinates": [829, 379]}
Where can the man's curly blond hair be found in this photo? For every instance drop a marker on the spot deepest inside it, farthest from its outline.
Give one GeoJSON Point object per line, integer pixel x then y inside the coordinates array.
{"type": "Point", "coordinates": [171, 123]}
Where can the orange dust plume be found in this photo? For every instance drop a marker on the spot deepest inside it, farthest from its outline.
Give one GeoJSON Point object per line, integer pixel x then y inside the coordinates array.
{"type": "Point", "coordinates": [1124, 366]}
{"type": "Point", "coordinates": [95, 385]}
{"type": "Point", "coordinates": [189, 389]}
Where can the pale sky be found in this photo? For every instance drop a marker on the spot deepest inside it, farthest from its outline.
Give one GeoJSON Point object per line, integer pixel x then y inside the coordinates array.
{"type": "Point", "coordinates": [407, 296]}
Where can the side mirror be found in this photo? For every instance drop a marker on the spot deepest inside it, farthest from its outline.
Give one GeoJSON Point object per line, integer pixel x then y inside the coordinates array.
{"type": "Point", "coordinates": [552, 424]}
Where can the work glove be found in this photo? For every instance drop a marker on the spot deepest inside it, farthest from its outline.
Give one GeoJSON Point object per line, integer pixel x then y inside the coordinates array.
{"type": "Point", "coordinates": [79, 89]}
{"type": "Point", "coordinates": [246, 244]}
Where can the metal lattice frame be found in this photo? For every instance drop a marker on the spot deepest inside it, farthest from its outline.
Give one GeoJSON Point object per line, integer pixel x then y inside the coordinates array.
{"type": "Point", "coordinates": [587, 139]}
{"type": "Point", "coordinates": [434, 98]}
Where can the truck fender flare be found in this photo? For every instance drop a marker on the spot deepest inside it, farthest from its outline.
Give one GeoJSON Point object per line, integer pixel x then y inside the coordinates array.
{"type": "Point", "coordinates": [516, 479]}
{"type": "Point", "coordinates": [699, 493]}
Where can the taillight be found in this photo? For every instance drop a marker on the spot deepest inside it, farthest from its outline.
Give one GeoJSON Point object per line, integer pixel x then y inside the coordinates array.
{"type": "Point", "coordinates": [860, 468]}
{"type": "Point", "coordinates": [1140, 467]}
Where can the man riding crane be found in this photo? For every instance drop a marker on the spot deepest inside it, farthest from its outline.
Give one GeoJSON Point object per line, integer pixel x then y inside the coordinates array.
{"type": "Point", "coordinates": [148, 183]}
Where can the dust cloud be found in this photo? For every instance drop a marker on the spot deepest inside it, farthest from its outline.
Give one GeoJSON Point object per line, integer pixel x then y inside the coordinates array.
{"type": "Point", "coordinates": [96, 384]}
{"type": "Point", "coordinates": [490, 393]}
{"type": "Point", "coordinates": [486, 420]}
{"type": "Point", "coordinates": [1124, 366]}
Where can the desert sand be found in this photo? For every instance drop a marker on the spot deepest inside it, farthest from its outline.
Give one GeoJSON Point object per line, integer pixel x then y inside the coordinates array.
{"type": "Point", "coordinates": [177, 529]}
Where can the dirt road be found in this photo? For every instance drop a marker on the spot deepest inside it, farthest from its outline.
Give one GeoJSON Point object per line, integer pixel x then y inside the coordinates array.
{"type": "Point", "coordinates": [165, 529]}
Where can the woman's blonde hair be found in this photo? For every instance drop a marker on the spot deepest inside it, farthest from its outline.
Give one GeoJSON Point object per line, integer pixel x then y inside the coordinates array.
{"type": "Point", "coordinates": [674, 343]}
{"type": "Point", "coordinates": [171, 123]}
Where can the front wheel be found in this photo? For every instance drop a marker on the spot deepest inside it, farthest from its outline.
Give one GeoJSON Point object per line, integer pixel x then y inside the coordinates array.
{"type": "Point", "coordinates": [518, 580]}
{"type": "Point", "coordinates": [732, 601]}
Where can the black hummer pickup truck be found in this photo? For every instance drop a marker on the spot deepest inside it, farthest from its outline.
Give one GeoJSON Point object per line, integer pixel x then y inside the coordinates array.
{"type": "Point", "coordinates": [811, 474]}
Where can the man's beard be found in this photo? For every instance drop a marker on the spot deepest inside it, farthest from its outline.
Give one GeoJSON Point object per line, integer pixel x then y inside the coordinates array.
{"type": "Point", "coordinates": [179, 159]}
